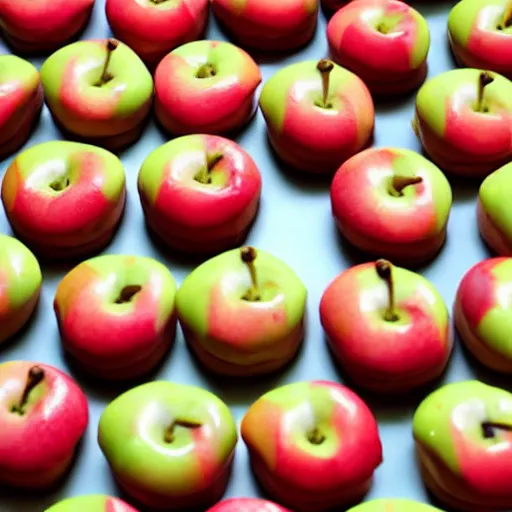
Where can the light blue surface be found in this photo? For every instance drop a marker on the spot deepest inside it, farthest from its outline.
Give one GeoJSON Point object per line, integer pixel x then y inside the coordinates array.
{"type": "Point", "coordinates": [294, 224]}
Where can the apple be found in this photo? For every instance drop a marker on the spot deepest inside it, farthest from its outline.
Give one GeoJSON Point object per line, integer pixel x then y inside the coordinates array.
{"type": "Point", "coordinates": [20, 285]}
{"type": "Point", "coordinates": [246, 505]}
{"type": "Point", "coordinates": [266, 24]}
{"type": "Point", "coordinates": [116, 315]}
{"type": "Point", "coordinates": [152, 28]}
{"type": "Point", "coordinates": [64, 199]}
{"type": "Point", "coordinates": [91, 503]}
{"type": "Point", "coordinates": [320, 94]}
{"type": "Point", "coordinates": [393, 505]}
{"type": "Point", "coordinates": [170, 446]}
{"type": "Point", "coordinates": [206, 87]}
{"type": "Point", "coordinates": [200, 193]}
{"type": "Point", "coordinates": [388, 327]}
{"type": "Point", "coordinates": [242, 312]}
{"type": "Point", "coordinates": [464, 121]}
{"type": "Point", "coordinates": [333, 5]}
{"type": "Point", "coordinates": [482, 312]}
{"type": "Point", "coordinates": [392, 202]}
{"type": "Point", "coordinates": [313, 445]}
{"type": "Point", "coordinates": [463, 435]}
{"type": "Point", "coordinates": [480, 34]}
{"type": "Point", "coordinates": [384, 42]}
{"type": "Point", "coordinates": [22, 99]}
{"type": "Point", "coordinates": [34, 26]}
{"type": "Point", "coordinates": [43, 415]}
{"type": "Point", "coordinates": [98, 91]}
{"type": "Point", "coordinates": [493, 211]}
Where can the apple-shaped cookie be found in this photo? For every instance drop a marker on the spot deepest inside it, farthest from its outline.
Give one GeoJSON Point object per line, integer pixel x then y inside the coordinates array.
{"type": "Point", "coordinates": [43, 415]}
{"type": "Point", "coordinates": [22, 99]}
{"type": "Point", "coordinates": [393, 203]}
{"type": "Point", "coordinates": [463, 434]}
{"type": "Point", "coordinates": [91, 503]}
{"type": "Point", "coordinates": [169, 445]}
{"type": "Point", "coordinates": [35, 26]}
{"type": "Point", "coordinates": [266, 24]}
{"type": "Point", "coordinates": [200, 193]}
{"type": "Point", "coordinates": [206, 87]}
{"type": "Point", "coordinates": [20, 284]}
{"type": "Point", "coordinates": [116, 315]}
{"type": "Point", "coordinates": [494, 211]}
{"type": "Point", "coordinates": [393, 505]}
{"type": "Point", "coordinates": [98, 91]}
{"type": "Point", "coordinates": [64, 199]}
{"type": "Point", "coordinates": [242, 312]}
{"type": "Point", "coordinates": [480, 34]}
{"type": "Point", "coordinates": [388, 327]}
{"type": "Point", "coordinates": [152, 28]}
{"type": "Point", "coordinates": [322, 95]}
{"type": "Point", "coordinates": [313, 445]}
{"type": "Point", "coordinates": [384, 42]}
{"type": "Point", "coordinates": [246, 505]}
{"type": "Point", "coordinates": [482, 312]}
{"type": "Point", "coordinates": [464, 121]}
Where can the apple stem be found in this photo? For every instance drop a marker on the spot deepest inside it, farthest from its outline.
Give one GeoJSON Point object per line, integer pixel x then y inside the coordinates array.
{"type": "Point", "coordinates": [206, 71]}
{"type": "Point", "coordinates": [384, 271]}
{"type": "Point", "coordinates": [315, 436]}
{"type": "Point", "coordinates": [105, 77]}
{"type": "Point", "coordinates": [507, 17]}
{"type": "Point", "coordinates": [127, 293]}
{"type": "Point", "coordinates": [169, 433]}
{"type": "Point", "coordinates": [203, 176]}
{"type": "Point", "coordinates": [398, 183]}
{"type": "Point", "coordinates": [34, 377]}
{"type": "Point", "coordinates": [248, 255]}
{"type": "Point", "coordinates": [484, 79]}
{"type": "Point", "coordinates": [325, 67]}
{"type": "Point", "coordinates": [488, 428]}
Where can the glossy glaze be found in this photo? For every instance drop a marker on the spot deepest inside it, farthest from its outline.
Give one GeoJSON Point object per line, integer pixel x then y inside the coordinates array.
{"type": "Point", "coordinates": [394, 505]}
{"type": "Point", "coordinates": [184, 472]}
{"type": "Point", "coordinates": [385, 43]}
{"type": "Point", "coordinates": [378, 354]}
{"type": "Point", "coordinates": [43, 186]}
{"type": "Point", "coordinates": [194, 216]}
{"type": "Point", "coordinates": [20, 284]}
{"type": "Point", "coordinates": [290, 102]}
{"type": "Point", "coordinates": [246, 505]}
{"type": "Point", "coordinates": [128, 337]}
{"type": "Point", "coordinates": [91, 503]}
{"type": "Point", "coordinates": [187, 104]}
{"type": "Point", "coordinates": [458, 138]}
{"type": "Point", "coordinates": [302, 474]}
{"type": "Point", "coordinates": [144, 25]}
{"type": "Point", "coordinates": [37, 447]}
{"type": "Point", "coordinates": [374, 219]}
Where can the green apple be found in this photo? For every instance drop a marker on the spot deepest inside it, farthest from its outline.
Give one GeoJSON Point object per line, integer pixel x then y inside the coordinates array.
{"type": "Point", "coordinates": [169, 445]}
{"type": "Point", "coordinates": [393, 505]}
{"type": "Point", "coordinates": [92, 503]}
{"type": "Point", "coordinates": [242, 312]}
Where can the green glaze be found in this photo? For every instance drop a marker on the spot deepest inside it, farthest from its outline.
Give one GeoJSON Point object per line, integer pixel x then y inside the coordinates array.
{"type": "Point", "coordinates": [431, 99]}
{"type": "Point", "coordinates": [463, 16]}
{"type": "Point", "coordinates": [410, 163]}
{"type": "Point", "coordinates": [464, 405]}
{"type": "Point", "coordinates": [13, 68]}
{"type": "Point", "coordinates": [274, 96]}
{"type": "Point", "coordinates": [496, 325]}
{"type": "Point", "coordinates": [45, 163]}
{"type": "Point", "coordinates": [92, 503]}
{"type": "Point", "coordinates": [128, 71]}
{"type": "Point", "coordinates": [393, 505]}
{"type": "Point", "coordinates": [230, 273]}
{"type": "Point", "coordinates": [19, 273]}
{"type": "Point", "coordinates": [132, 430]}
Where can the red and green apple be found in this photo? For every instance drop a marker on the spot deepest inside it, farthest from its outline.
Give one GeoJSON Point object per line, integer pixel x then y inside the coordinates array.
{"type": "Point", "coordinates": [91, 503]}
{"type": "Point", "coordinates": [393, 505]}
{"type": "Point", "coordinates": [246, 505]}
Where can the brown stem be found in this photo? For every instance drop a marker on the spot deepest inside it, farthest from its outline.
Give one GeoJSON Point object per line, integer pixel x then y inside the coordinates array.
{"type": "Point", "coordinates": [206, 71]}
{"type": "Point", "coordinates": [315, 436]}
{"type": "Point", "coordinates": [398, 183]}
{"type": "Point", "coordinates": [384, 271]}
{"type": "Point", "coordinates": [127, 293]}
{"type": "Point", "coordinates": [325, 67]}
{"type": "Point", "coordinates": [34, 377]}
{"type": "Point", "coordinates": [488, 428]}
{"type": "Point", "coordinates": [169, 433]}
{"type": "Point", "coordinates": [105, 77]}
{"type": "Point", "coordinates": [248, 255]}
{"type": "Point", "coordinates": [203, 176]}
{"type": "Point", "coordinates": [506, 21]}
{"type": "Point", "coordinates": [158, 2]}
{"type": "Point", "coordinates": [484, 79]}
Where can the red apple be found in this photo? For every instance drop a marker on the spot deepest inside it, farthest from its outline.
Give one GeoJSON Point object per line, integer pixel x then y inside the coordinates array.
{"type": "Point", "coordinates": [43, 415]}
{"type": "Point", "coordinates": [246, 505]}
{"type": "Point", "coordinates": [152, 28]}
{"type": "Point", "coordinates": [333, 5]}
{"type": "Point", "coordinates": [388, 327]}
{"type": "Point", "coordinates": [200, 193]}
{"type": "Point", "coordinates": [42, 25]}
